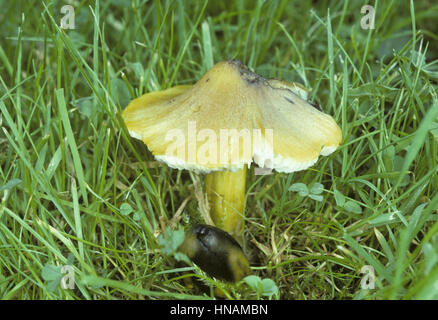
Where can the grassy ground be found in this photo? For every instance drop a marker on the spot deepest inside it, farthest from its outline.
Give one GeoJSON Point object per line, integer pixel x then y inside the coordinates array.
{"type": "Point", "coordinates": [76, 189]}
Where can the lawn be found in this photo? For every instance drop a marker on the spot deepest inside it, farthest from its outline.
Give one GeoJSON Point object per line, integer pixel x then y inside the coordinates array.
{"type": "Point", "coordinates": [82, 199]}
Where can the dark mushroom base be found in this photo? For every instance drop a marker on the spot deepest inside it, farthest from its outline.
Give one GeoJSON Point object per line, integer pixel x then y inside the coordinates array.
{"type": "Point", "coordinates": [216, 252]}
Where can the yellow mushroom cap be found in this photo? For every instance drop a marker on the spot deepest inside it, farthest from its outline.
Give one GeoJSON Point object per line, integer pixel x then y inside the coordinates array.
{"type": "Point", "coordinates": [230, 118]}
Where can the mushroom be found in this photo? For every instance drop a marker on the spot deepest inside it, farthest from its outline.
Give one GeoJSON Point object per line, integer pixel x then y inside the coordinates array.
{"type": "Point", "coordinates": [230, 118]}
{"type": "Point", "coordinates": [216, 252]}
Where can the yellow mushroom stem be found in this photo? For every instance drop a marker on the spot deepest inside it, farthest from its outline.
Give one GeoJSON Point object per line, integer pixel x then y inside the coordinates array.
{"type": "Point", "coordinates": [226, 196]}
